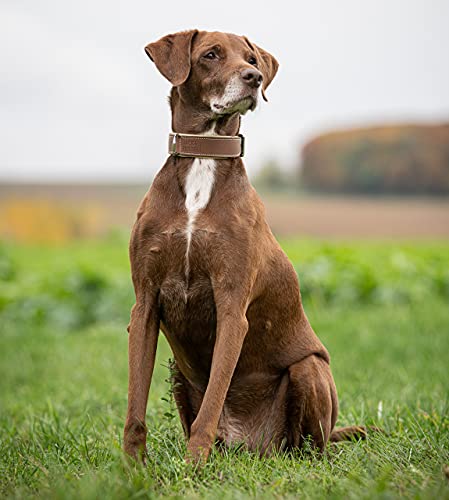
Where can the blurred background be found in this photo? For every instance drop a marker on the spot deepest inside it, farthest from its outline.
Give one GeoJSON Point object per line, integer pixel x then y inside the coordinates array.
{"type": "Point", "coordinates": [350, 154]}
{"type": "Point", "coordinates": [354, 141]}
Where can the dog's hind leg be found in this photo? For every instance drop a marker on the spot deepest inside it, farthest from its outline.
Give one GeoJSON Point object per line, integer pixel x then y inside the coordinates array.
{"type": "Point", "coordinates": [353, 432]}
{"type": "Point", "coordinates": [187, 399]}
{"type": "Point", "coordinates": [312, 404]}
{"type": "Point", "coordinates": [348, 433]}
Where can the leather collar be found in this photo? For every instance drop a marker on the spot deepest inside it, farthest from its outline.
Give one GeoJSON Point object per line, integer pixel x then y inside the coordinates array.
{"type": "Point", "coordinates": [206, 146]}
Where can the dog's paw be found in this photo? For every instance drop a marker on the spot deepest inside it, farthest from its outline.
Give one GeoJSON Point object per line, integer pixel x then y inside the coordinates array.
{"type": "Point", "coordinates": [197, 453]}
{"type": "Point", "coordinates": [136, 453]}
{"type": "Point", "coordinates": [134, 441]}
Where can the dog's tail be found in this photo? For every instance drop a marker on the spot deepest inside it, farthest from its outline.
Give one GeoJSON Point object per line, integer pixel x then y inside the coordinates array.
{"type": "Point", "coordinates": [352, 432]}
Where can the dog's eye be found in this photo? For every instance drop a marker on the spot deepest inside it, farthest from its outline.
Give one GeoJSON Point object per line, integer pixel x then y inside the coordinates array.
{"type": "Point", "coordinates": [252, 60]}
{"type": "Point", "coordinates": [210, 55]}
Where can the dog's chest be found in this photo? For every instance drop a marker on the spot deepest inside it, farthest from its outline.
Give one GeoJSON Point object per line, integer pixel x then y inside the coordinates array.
{"type": "Point", "coordinates": [198, 189]}
{"type": "Point", "coordinates": [187, 287]}
{"type": "Point", "coordinates": [198, 185]}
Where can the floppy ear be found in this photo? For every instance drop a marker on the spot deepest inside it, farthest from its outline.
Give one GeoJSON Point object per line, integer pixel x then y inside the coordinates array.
{"type": "Point", "coordinates": [267, 65]}
{"type": "Point", "coordinates": [171, 54]}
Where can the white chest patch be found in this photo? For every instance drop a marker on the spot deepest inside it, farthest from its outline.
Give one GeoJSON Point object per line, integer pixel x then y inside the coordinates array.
{"type": "Point", "coordinates": [198, 188]}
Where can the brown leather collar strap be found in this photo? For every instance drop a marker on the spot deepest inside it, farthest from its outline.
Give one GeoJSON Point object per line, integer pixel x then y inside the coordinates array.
{"type": "Point", "coordinates": [206, 146]}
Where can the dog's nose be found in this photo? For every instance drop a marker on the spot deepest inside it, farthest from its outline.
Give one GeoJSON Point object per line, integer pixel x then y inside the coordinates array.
{"type": "Point", "coordinates": [252, 77]}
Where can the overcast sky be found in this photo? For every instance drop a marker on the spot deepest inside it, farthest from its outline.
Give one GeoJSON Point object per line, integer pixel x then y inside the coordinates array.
{"type": "Point", "coordinates": [79, 99]}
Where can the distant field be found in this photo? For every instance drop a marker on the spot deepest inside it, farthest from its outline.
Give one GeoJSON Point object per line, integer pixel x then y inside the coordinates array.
{"type": "Point", "coordinates": [348, 217]}
{"type": "Point", "coordinates": [382, 309]}
{"type": "Point", "coordinates": [40, 213]}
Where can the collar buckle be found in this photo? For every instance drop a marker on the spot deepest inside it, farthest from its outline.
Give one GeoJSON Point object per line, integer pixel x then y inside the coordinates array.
{"type": "Point", "coordinates": [242, 145]}
{"type": "Point", "coordinates": [173, 144]}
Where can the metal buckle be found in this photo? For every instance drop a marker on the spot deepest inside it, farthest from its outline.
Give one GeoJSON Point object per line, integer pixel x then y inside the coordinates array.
{"type": "Point", "coordinates": [242, 145]}
{"type": "Point", "coordinates": [174, 143]}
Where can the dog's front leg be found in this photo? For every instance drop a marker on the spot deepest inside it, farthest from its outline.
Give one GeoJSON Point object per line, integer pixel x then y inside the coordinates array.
{"type": "Point", "coordinates": [232, 327]}
{"type": "Point", "coordinates": [142, 342]}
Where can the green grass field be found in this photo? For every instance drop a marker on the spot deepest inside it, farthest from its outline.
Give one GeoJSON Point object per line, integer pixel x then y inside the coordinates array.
{"type": "Point", "coordinates": [382, 309]}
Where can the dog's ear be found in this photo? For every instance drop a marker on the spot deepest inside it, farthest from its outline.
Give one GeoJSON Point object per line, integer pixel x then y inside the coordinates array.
{"type": "Point", "coordinates": [171, 54]}
{"type": "Point", "coordinates": [267, 65]}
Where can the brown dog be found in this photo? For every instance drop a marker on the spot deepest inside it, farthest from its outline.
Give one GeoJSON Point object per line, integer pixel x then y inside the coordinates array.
{"type": "Point", "coordinates": [208, 272]}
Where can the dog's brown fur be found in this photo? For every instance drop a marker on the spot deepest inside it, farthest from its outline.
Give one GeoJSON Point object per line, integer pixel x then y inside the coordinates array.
{"type": "Point", "coordinates": [248, 366]}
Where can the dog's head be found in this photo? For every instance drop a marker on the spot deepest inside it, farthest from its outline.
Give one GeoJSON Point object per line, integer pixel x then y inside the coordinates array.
{"type": "Point", "coordinates": [219, 73]}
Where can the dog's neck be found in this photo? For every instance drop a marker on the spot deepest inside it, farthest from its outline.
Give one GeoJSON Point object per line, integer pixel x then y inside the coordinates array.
{"type": "Point", "coordinates": [188, 119]}
{"type": "Point", "coordinates": [198, 178]}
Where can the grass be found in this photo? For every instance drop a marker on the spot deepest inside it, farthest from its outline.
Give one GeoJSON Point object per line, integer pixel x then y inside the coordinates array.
{"type": "Point", "coordinates": [63, 395]}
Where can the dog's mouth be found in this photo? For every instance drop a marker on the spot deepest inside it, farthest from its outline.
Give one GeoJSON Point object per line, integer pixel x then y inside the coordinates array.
{"type": "Point", "coordinates": [242, 106]}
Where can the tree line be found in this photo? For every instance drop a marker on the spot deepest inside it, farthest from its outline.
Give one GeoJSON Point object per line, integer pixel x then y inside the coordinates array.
{"type": "Point", "coordinates": [401, 159]}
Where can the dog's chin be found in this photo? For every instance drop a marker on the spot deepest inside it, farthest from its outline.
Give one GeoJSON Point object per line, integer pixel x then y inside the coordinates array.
{"type": "Point", "coordinates": [240, 106]}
